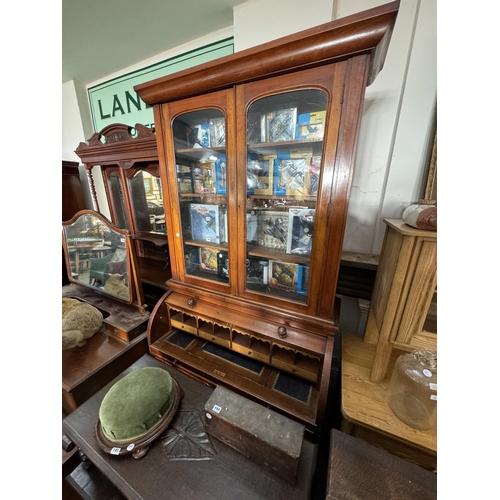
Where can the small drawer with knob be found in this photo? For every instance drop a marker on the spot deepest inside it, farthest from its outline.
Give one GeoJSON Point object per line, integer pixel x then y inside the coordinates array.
{"type": "Point", "coordinates": [218, 334]}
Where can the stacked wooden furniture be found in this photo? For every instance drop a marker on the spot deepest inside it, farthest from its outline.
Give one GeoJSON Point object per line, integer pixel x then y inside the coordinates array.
{"type": "Point", "coordinates": [130, 169]}
{"type": "Point", "coordinates": [219, 325]}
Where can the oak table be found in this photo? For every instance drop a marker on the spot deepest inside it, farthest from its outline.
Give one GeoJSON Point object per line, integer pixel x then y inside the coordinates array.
{"type": "Point", "coordinates": [365, 410]}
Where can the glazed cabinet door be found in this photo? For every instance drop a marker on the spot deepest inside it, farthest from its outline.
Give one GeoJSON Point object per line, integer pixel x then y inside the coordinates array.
{"type": "Point", "coordinates": [285, 170]}
{"type": "Point", "coordinates": [199, 148]}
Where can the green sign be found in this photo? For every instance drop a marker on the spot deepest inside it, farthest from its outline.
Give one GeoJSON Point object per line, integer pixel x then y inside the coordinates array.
{"type": "Point", "coordinates": [116, 101]}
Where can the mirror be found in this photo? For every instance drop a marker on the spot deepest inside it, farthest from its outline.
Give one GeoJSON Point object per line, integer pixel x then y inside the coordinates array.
{"type": "Point", "coordinates": [147, 202]}
{"type": "Point", "coordinates": [97, 254]}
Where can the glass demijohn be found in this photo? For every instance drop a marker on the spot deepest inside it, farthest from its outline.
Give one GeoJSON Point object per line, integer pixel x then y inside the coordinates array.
{"type": "Point", "coordinates": [413, 388]}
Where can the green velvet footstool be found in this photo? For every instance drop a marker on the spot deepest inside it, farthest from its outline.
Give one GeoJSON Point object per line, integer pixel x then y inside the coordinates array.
{"type": "Point", "coordinates": [136, 410]}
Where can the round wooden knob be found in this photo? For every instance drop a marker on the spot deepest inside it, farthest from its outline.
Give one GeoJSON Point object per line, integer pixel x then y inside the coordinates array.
{"type": "Point", "coordinates": [191, 302]}
{"type": "Point", "coordinates": [282, 332]}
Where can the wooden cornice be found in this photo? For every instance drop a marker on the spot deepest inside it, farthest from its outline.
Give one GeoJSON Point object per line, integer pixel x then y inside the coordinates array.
{"type": "Point", "coordinates": [367, 32]}
{"type": "Point", "coordinates": [119, 146]}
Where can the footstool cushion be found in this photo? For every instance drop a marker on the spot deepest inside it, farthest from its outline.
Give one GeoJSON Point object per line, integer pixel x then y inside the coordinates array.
{"type": "Point", "coordinates": [135, 404]}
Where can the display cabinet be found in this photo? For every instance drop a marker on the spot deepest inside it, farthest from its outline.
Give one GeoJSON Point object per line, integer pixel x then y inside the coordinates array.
{"type": "Point", "coordinates": [256, 154]}
{"type": "Point", "coordinates": [128, 159]}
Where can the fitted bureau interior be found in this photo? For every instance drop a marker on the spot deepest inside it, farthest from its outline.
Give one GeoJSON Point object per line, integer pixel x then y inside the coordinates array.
{"type": "Point", "coordinates": [282, 375]}
{"type": "Point", "coordinates": [287, 358]}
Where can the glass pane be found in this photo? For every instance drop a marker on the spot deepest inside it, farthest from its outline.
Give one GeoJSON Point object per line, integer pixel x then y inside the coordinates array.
{"type": "Point", "coordinates": [285, 143]}
{"type": "Point", "coordinates": [200, 149]}
{"type": "Point", "coordinates": [116, 191]}
{"type": "Point", "coordinates": [147, 203]}
{"type": "Point", "coordinates": [98, 256]}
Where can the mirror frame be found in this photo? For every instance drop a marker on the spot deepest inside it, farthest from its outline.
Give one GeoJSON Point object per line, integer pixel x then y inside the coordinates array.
{"type": "Point", "coordinates": [135, 291]}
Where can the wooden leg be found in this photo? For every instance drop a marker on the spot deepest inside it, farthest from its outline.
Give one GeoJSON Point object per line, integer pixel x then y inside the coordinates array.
{"type": "Point", "coordinates": [68, 403]}
{"type": "Point", "coordinates": [371, 331]}
{"type": "Point", "coordinates": [347, 427]}
{"type": "Point", "coordinates": [382, 357]}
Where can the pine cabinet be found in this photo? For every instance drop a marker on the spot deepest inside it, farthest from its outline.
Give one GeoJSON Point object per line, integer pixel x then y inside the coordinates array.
{"type": "Point", "coordinates": [256, 154]}
{"type": "Point", "coordinates": [405, 287]}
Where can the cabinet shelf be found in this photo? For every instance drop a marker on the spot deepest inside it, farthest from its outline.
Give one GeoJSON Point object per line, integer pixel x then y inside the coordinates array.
{"type": "Point", "coordinates": [275, 254]}
{"type": "Point", "coordinates": [207, 244]}
{"type": "Point", "coordinates": [218, 199]}
{"type": "Point", "coordinates": [268, 148]}
{"type": "Point", "coordinates": [199, 153]}
{"type": "Point", "coordinates": [287, 199]}
{"type": "Point", "coordinates": [283, 294]}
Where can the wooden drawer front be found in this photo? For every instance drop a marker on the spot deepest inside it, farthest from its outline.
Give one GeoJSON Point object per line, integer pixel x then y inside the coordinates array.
{"type": "Point", "coordinates": [117, 332]}
{"type": "Point", "coordinates": [250, 353]}
{"type": "Point", "coordinates": [127, 336]}
{"type": "Point", "coordinates": [250, 345]}
{"type": "Point", "coordinates": [183, 321]}
{"type": "Point", "coordinates": [291, 368]}
{"type": "Point", "coordinates": [295, 362]}
{"type": "Point", "coordinates": [214, 339]}
{"type": "Point", "coordinates": [182, 326]}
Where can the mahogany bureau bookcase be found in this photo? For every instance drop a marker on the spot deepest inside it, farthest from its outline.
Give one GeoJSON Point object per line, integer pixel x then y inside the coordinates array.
{"type": "Point", "coordinates": [256, 153]}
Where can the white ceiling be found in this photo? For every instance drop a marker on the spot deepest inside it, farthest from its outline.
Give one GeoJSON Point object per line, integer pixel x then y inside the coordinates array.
{"type": "Point", "coordinates": [100, 37]}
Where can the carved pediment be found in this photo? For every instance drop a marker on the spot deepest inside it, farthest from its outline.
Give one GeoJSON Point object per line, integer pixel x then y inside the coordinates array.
{"type": "Point", "coordinates": [117, 132]}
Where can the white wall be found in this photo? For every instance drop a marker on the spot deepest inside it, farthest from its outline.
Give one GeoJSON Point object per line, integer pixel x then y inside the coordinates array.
{"type": "Point", "coordinates": [395, 133]}
{"type": "Point", "coordinates": [72, 135]}
{"type": "Point", "coordinates": [259, 21]}
{"type": "Point", "coordinates": [399, 109]}
{"type": "Point", "coordinates": [72, 128]}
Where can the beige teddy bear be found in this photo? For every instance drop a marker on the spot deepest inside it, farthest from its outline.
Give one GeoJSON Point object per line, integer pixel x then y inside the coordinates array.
{"type": "Point", "coordinates": [79, 322]}
{"type": "Point", "coordinates": [116, 286]}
